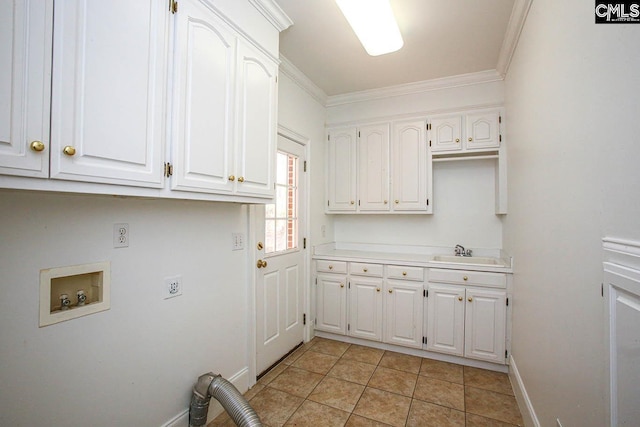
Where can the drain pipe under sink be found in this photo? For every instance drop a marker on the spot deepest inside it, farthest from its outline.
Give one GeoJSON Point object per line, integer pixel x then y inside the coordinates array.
{"type": "Point", "coordinates": [213, 385]}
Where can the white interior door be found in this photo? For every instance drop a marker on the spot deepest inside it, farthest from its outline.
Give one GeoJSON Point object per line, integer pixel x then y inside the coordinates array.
{"type": "Point", "coordinates": [280, 267]}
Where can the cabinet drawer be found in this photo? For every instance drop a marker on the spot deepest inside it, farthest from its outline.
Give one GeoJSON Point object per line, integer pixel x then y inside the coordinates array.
{"type": "Point", "coordinates": [364, 269]}
{"type": "Point", "coordinates": [473, 278]}
{"type": "Point", "coordinates": [331, 266]}
{"type": "Point", "coordinates": [405, 273]}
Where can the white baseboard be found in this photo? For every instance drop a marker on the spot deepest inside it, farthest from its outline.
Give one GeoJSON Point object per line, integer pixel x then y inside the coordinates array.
{"type": "Point", "coordinates": [240, 380]}
{"type": "Point", "coordinates": [524, 403]}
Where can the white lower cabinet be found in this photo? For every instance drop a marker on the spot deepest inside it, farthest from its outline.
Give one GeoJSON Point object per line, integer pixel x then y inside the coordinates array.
{"type": "Point", "coordinates": [365, 308]}
{"type": "Point", "coordinates": [331, 303]}
{"type": "Point", "coordinates": [467, 321]}
{"type": "Point", "coordinates": [403, 313]}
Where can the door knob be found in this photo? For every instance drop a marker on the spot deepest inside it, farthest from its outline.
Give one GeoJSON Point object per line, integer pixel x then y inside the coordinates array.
{"type": "Point", "coordinates": [261, 263]}
{"type": "Point", "coordinates": [37, 145]}
{"type": "Point", "coordinates": [69, 150]}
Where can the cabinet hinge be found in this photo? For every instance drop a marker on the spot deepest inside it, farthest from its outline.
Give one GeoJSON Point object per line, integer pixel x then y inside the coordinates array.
{"type": "Point", "coordinates": [304, 243]}
{"type": "Point", "coordinates": [173, 6]}
{"type": "Point", "coordinates": [168, 169]}
{"type": "Point", "coordinates": [429, 143]}
{"type": "Point", "coordinates": [328, 137]}
{"type": "Point", "coordinates": [348, 326]}
{"type": "Point", "coordinates": [428, 126]}
{"type": "Point", "coordinates": [315, 321]}
{"type": "Point", "coordinates": [327, 203]}
{"type": "Point", "coordinates": [276, 79]}
{"type": "Point", "coordinates": [358, 134]}
{"type": "Point", "coordinates": [348, 285]}
{"type": "Point", "coordinates": [505, 354]}
{"type": "Point", "coordinates": [507, 302]}
{"type": "Point", "coordinates": [316, 280]}
{"type": "Point", "coordinates": [602, 289]}
{"type": "Point", "coordinates": [427, 202]}
{"type": "Point", "coordinates": [304, 318]}
{"type": "Point", "coordinates": [500, 119]}
{"type": "Point", "coordinates": [500, 138]}
{"type": "Point", "coordinates": [304, 166]}
{"type": "Point", "coordinates": [424, 340]}
{"type": "Point", "coordinates": [425, 293]}
{"type": "Point", "coordinates": [358, 202]}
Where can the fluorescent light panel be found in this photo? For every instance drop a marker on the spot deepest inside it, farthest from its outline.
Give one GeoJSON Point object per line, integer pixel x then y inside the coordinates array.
{"type": "Point", "coordinates": [374, 24]}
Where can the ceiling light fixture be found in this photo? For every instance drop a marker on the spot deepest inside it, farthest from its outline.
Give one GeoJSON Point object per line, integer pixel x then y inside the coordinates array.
{"type": "Point", "coordinates": [374, 24]}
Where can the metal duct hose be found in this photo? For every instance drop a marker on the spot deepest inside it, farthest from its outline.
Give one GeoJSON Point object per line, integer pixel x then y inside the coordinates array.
{"type": "Point", "coordinates": [212, 385]}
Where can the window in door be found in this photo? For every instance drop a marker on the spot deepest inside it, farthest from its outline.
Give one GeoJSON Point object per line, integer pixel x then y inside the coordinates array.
{"type": "Point", "coordinates": [281, 217]}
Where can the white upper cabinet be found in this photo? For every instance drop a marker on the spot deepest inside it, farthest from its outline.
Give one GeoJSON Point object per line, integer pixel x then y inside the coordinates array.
{"type": "Point", "coordinates": [341, 169]}
{"type": "Point", "coordinates": [204, 85]}
{"type": "Point", "coordinates": [256, 122]}
{"type": "Point", "coordinates": [373, 168]}
{"type": "Point", "coordinates": [481, 131]}
{"type": "Point", "coordinates": [25, 64]}
{"type": "Point", "coordinates": [410, 167]}
{"type": "Point", "coordinates": [109, 91]}
{"type": "Point", "coordinates": [446, 133]}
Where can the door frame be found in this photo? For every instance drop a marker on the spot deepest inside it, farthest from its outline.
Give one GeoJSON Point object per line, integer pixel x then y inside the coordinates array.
{"type": "Point", "coordinates": [252, 258]}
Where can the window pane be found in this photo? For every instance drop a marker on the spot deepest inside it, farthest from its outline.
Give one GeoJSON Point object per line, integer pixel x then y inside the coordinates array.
{"type": "Point", "coordinates": [292, 205]}
{"type": "Point", "coordinates": [281, 202]}
{"type": "Point", "coordinates": [282, 169]}
{"type": "Point", "coordinates": [292, 234]}
{"type": "Point", "coordinates": [281, 235]}
{"type": "Point", "coordinates": [269, 236]}
{"type": "Point", "coordinates": [270, 210]}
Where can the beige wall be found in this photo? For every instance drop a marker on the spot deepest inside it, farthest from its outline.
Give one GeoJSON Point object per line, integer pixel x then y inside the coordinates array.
{"type": "Point", "coordinates": [572, 115]}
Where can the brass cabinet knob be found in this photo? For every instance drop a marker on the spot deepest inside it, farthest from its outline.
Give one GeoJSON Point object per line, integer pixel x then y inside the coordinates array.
{"type": "Point", "coordinates": [353, 203]}
{"type": "Point", "coordinates": [37, 145]}
{"type": "Point", "coordinates": [465, 278]}
{"type": "Point", "coordinates": [459, 298]}
{"type": "Point", "coordinates": [457, 139]}
{"type": "Point", "coordinates": [390, 291]}
{"type": "Point", "coordinates": [232, 178]}
{"type": "Point", "coordinates": [404, 273]}
{"type": "Point", "coordinates": [261, 263]}
{"type": "Point", "coordinates": [385, 202]}
{"type": "Point", "coordinates": [377, 289]}
{"type": "Point", "coordinates": [240, 179]}
{"type": "Point", "coordinates": [470, 299]}
{"type": "Point", "coordinates": [364, 270]}
{"type": "Point", "coordinates": [470, 139]}
{"type": "Point", "coordinates": [69, 150]}
{"type": "Point", "coordinates": [396, 201]}
{"type": "Point", "coordinates": [331, 267]}
{"type": "Point", "coordinates": [342, 285]}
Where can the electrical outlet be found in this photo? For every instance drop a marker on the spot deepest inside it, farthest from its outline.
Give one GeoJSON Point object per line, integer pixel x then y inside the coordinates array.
{"type": "Point", "coordinates": [237, 241]}
{"type": "Point", "coordinates": [120, 235]}
{"type": "Point", "coordinates": [172, 287]}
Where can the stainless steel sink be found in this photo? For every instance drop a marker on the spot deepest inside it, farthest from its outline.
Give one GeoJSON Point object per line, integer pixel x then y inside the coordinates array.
{"type": "Point", "coordinates": [475, 260]}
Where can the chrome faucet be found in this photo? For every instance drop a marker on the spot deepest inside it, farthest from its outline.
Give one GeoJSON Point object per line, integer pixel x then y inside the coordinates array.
{"type": "Point", "coordinates": [461, 251]}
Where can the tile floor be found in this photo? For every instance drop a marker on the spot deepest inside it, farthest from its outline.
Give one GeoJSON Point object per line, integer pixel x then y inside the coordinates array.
{"type": "Point", "coordinates": [331, 383]}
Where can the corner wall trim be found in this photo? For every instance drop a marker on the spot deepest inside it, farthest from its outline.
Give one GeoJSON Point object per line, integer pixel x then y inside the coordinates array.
{"type": "Point", "coordinates": [524, 403]}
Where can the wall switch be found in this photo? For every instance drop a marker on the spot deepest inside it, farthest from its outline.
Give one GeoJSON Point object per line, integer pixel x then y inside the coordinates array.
{"type": "Point", "coordinates": [237, 241]}
{"type": "Point", "coordinates": [120, 235]}
{"type": "Point", "coordinates": [172, 287]}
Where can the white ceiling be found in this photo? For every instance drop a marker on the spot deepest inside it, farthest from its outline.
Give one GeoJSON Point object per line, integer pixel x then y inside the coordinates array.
{"type": "Point", "coordinates": [442, 38]}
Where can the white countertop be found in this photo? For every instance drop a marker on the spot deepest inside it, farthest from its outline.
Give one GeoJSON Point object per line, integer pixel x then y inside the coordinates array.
{"type": "Point", "coordinates": [421, 256]}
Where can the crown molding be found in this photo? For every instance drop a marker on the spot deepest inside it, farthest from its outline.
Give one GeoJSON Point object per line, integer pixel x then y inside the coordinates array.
{"type": "Point", "coordinates": [416, 87]}
{"type": "Point", "coordinates": [287, 68]}
{"type": "Point", "coordinates": [512, 35]}
{"type": "Point", "coordinates": [274, 13]}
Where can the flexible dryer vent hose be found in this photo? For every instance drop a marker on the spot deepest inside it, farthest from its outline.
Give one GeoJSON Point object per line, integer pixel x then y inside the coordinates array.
{"type": "Point", "coordinates": [212, 385]}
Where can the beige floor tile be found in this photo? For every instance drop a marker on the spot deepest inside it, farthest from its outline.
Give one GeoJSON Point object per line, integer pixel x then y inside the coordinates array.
{"type": "Point", "coordinates": [488, 380]}
{"type": "Point", "coordinates": [358, 421]}
{"type": "Point", "coordinates": [274, 407]}
{"type": "Point", "coordinates": [222, 420]}
{"type": "Point", "coordinates": [249, 394]}
{"type": "Point", "coordinates": [474, 420]}
{"type": "Point", "coordinates": [298, 382]}
{"type": "Point", "coordinates": [350, 370]}
{"type": "Point", "coordinates": [398, 382]}
{"type": "Point", "coordinates": [442, 371]}
{"type": "Point", "coordinates": [337, 393]}
{"type": "Point", "coordinates": [313, 361]}
{"type": "Point", "coordinates": [295, 355]}
{"type": "Point", "coordinates": [497, 406]}
{"type": "Point", "coordinates": [401, 362]}
{"type": "Point", "coordinates": [383, 406]}
{"type": "Point", "coordinates": [334, 348]}
{"type": "Point", "coordinates": [440, 392]}
{"type": "Point", "coordinates": [272, 374]}
{"type": "Point", "coordinates": [427, 414]}
{"type": "Point", "coordinates": [364, 354]}
{"type": "Point", "coordinates": [312, 414]}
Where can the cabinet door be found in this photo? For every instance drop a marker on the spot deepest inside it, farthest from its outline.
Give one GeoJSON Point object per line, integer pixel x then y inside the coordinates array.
{"type": "Point", "coordinates": [410, 165]}
{"type": "Point", "coordinates": [108, 91]}
{"type": "Point", "coordinates": [373, 168]}
{"type": "Point", "coordinates": [403, 313]}
{"type": "Point", "coordinates": [331, 300]}
{"type": "Point", "coordinates": [25, 88]}
{"type": "Point", "coordinates": [485, 320]}
{"type": "Point", "coordinates": [445, 322]}
{"type": "Point", "coordinates": [483, 130]}
{"type": "Point", "coordinates": [445, 133]}
{"type": "Point", "coordinates": [341, 179]}
{"type": "Point", "coordinates": [203, 101]}
{"type": "Point", "coordinates": [365, 308]}
{"type": "Point", "coordinates": [256, 118]}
